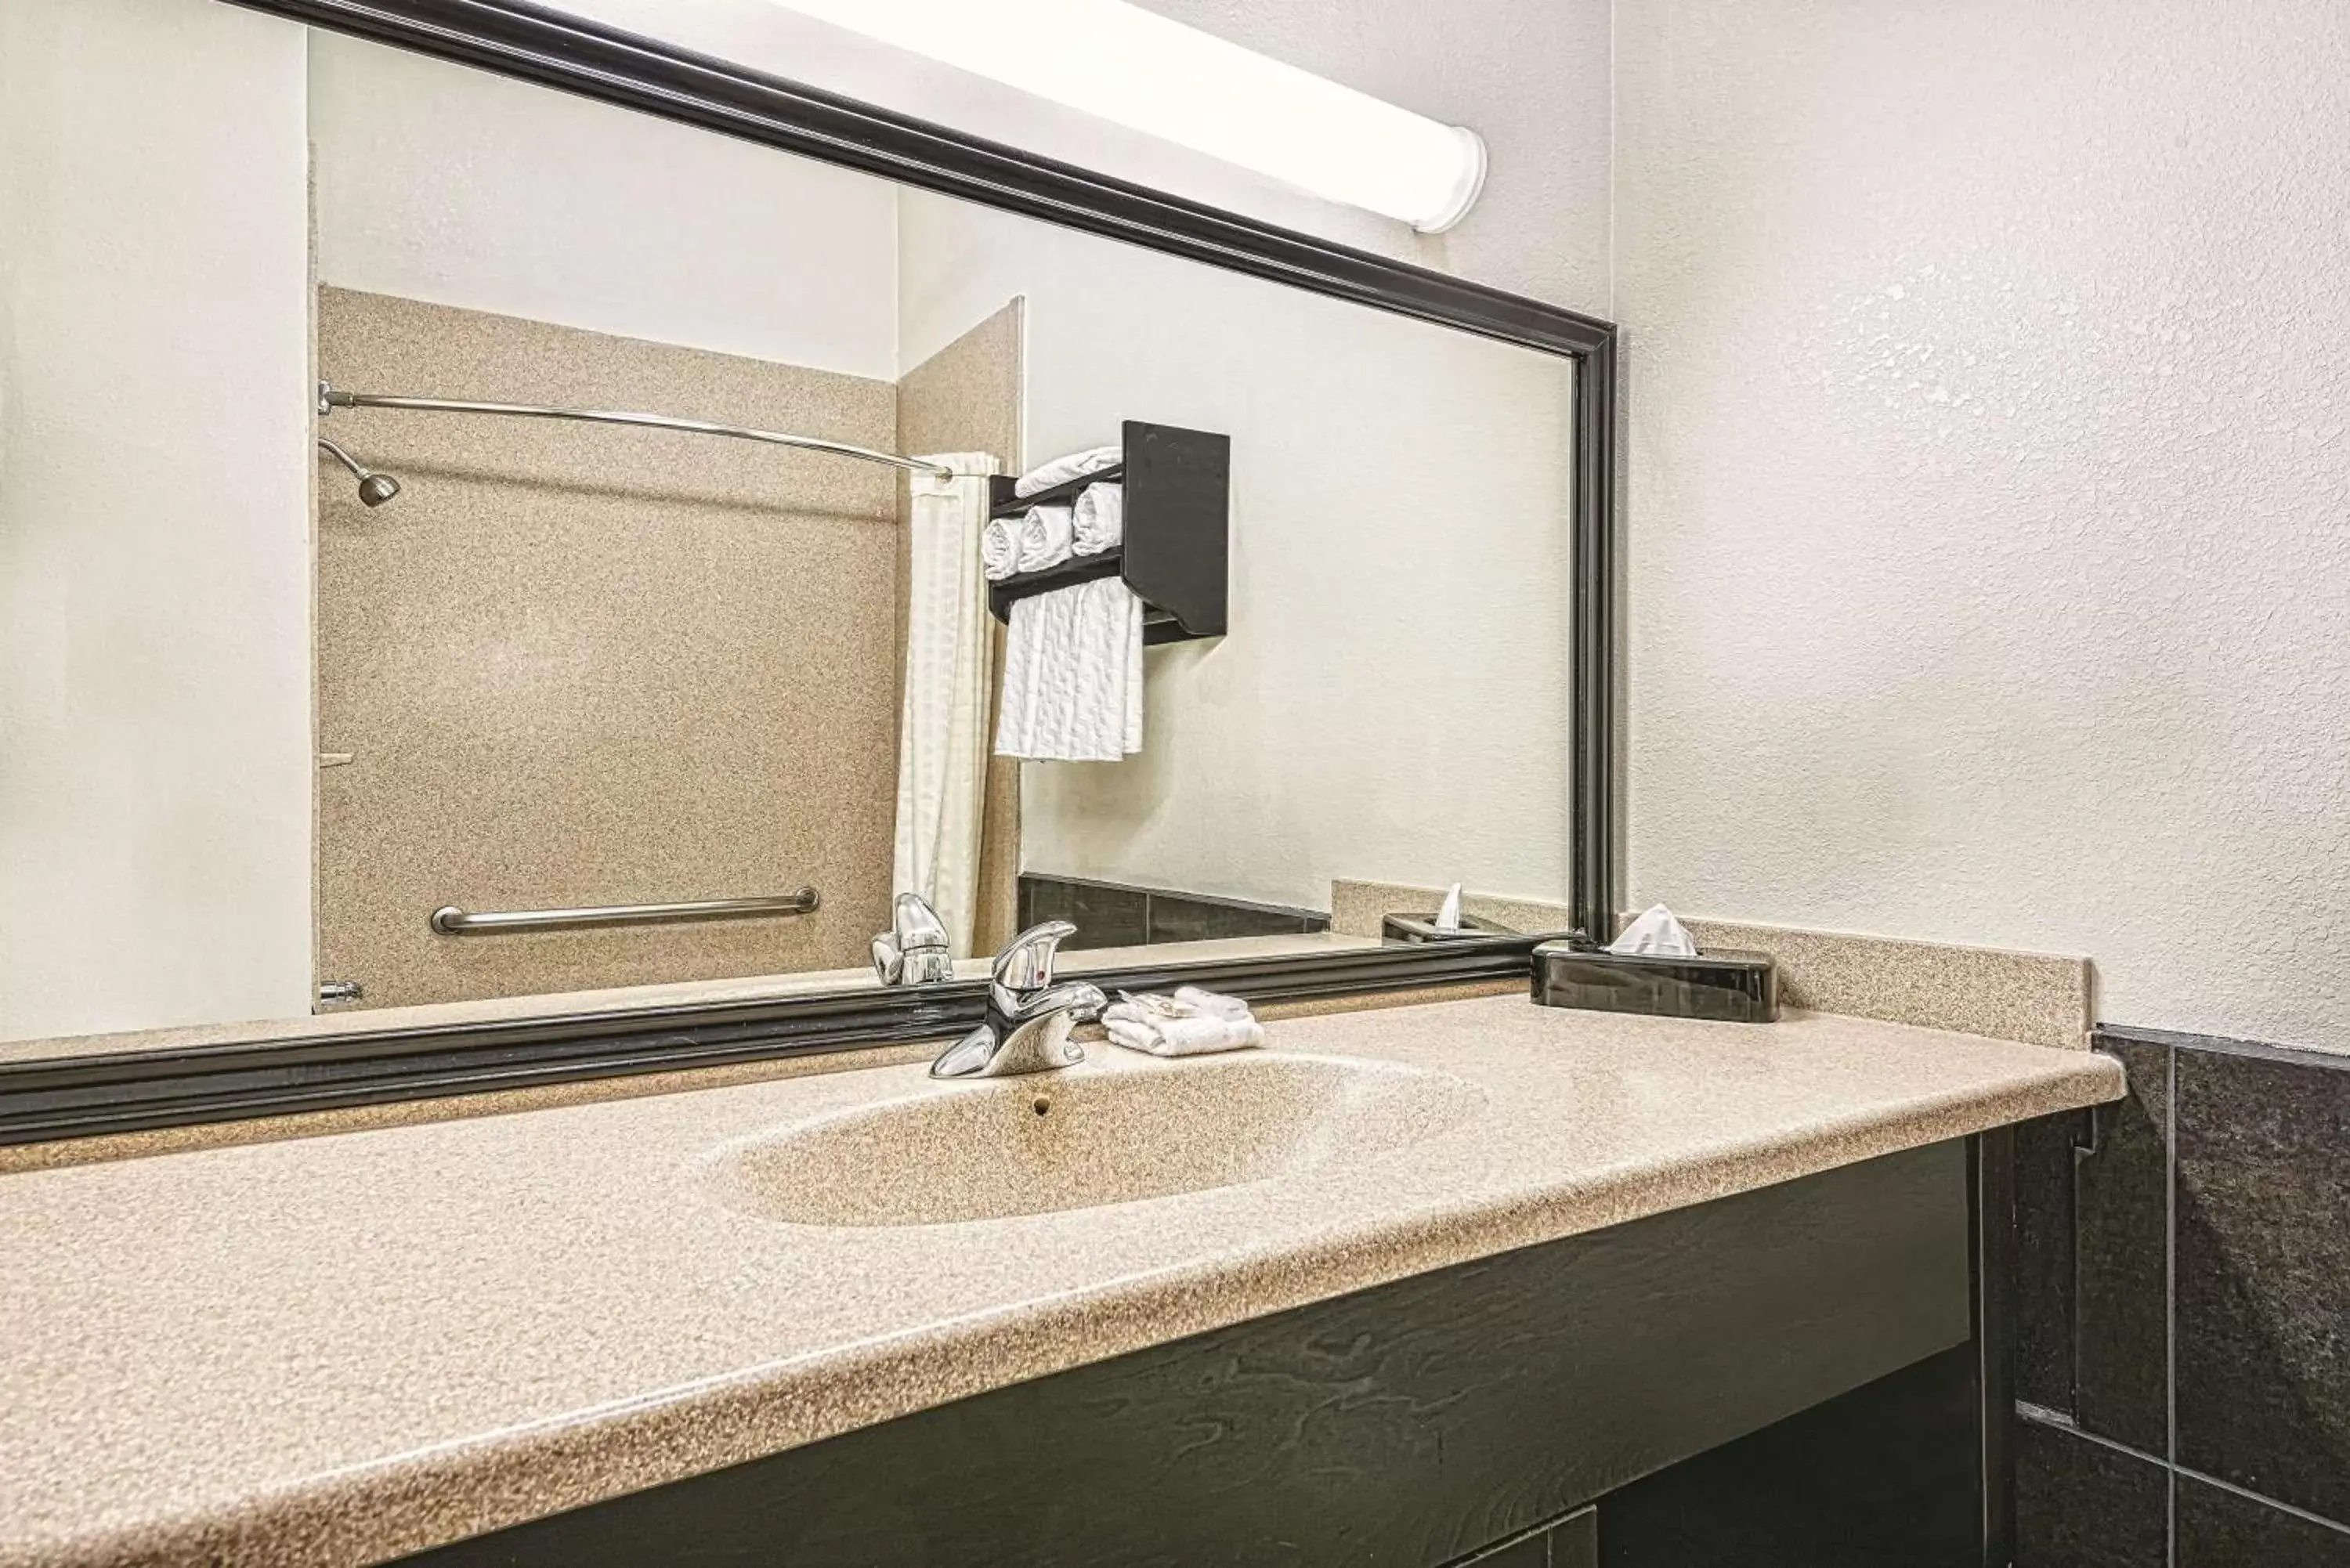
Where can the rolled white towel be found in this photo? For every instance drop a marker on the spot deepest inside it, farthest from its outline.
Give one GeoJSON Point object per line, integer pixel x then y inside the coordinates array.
{"type": "Point", "coordinates": [1100, 518]}
{"type": "Point", "coordinates": [1047, 534]}
{"type": "Point", "coordinates": [1068, 467]}
{"type": "Point", "coordinates": [999, 549]}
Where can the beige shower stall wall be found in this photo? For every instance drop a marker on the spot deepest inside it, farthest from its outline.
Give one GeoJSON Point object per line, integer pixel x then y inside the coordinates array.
{"type": "Point", "coordinates": [577, 664]}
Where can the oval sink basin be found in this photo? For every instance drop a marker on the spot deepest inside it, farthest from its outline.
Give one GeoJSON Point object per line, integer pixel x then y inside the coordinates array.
{"type": "Point", "coordinates": [1076, 1140]}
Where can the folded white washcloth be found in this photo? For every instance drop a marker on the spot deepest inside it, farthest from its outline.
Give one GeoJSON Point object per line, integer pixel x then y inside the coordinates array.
{"type": "Point", "coordinates": [1048, 535]}
{"type": "Point", "coordinates": [1191, 1022]}
{"type": "Point", "coordinates": [1063, 469]}
{"type": "Point", "coordinates": [1100, 518]}
{"type": "Point", "coordinates": [999, 549]}
{"type": "Point", "coordinates": [1214, 1003]}
{"type": "Point", "coordinates": [1186, 1036]}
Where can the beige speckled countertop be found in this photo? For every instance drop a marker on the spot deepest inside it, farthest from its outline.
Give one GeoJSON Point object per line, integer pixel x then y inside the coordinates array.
{"type": "Point", "coordinates": [335, 1350]}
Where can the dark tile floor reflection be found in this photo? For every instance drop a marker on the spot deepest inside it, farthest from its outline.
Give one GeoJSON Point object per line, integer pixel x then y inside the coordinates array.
{"type": "Point", "coordinates": [1115, 914]}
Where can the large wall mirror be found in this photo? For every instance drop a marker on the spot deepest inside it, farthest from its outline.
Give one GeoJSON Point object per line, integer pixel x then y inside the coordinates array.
{"type": "Point", "coordinates": [309, 700]}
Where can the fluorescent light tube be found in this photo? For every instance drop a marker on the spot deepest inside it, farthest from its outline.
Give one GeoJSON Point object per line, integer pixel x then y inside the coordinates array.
{"type": "Point", "coordinates": [1137, 68]}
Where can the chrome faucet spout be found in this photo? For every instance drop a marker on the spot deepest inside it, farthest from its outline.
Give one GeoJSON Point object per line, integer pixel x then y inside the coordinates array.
{"type": "Point", "coordinates": [913, 950]}
{"type": "Point", "coordinates": [1029, 1016]}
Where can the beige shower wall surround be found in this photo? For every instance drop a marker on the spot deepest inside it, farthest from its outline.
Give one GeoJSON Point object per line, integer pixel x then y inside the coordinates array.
{"type": "Point", "coordinates": [577, 664]}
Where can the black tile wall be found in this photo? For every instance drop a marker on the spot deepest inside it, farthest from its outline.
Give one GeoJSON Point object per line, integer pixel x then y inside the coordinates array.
{"type": "Point", "coordinates": [1112, 915]}
{"type": "Point", "coordinates": [2122, 1217]}
{"type": "Point", "coordinates": [2044, 1262]}
{"type": "Point", "coordinates": [2080, 1503]}
{"type": "Point", "coordinates": [2223, 1529]}
{"type": "Point", "coordinates": [2206, 1315]}
{"type": "Point", "coordinates": [2263, 1273]}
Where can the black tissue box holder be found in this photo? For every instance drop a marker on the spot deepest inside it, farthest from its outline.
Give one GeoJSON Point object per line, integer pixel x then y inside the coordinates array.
{"type": "Point", "coordinates": [1424, 928]}
{"type": "Point", "coordinates": [1725, 985]}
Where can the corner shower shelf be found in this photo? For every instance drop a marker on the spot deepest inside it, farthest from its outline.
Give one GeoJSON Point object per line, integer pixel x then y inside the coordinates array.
{"type": "Point", "coordinates": [1176, 555]}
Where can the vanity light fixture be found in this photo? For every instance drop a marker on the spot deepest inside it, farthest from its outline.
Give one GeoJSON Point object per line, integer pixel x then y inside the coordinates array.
{"type": "Point", "coordinates": [1139, 69]}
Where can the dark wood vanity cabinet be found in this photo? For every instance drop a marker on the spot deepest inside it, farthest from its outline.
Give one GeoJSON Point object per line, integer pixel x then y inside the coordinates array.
{"type": "Point", "coordinates": [1786, 1375]}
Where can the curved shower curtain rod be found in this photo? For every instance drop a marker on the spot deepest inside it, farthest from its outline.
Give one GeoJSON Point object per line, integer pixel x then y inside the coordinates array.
{"type": "Point", "coordinates": [331, 399]}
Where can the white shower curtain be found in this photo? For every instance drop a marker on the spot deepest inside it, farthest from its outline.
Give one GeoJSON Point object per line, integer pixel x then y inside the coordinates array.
{"type": "Point", "coordinates": [942, 723]}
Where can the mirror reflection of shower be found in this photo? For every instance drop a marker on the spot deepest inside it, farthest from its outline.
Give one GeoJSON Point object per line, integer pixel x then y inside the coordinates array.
{"type": "Point", "coordinates": [375, 489]}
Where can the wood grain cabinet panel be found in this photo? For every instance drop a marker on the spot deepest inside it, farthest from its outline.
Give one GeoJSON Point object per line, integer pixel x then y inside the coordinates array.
{"type": "Point", "coordinates": [1414, 1424]}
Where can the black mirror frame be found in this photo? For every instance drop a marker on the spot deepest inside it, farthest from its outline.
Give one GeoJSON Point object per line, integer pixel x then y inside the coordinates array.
{"type": "Point", "coordinates": [76, 1096]}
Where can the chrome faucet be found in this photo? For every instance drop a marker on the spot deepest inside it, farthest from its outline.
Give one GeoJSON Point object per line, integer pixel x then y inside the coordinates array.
{"type": "Point", "coordinates": [1029, 1017]}
{"type": "Point", "coordinates": [914, 951]}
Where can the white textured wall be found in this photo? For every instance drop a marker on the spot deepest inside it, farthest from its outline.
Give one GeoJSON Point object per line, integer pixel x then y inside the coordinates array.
{"type": "Point", "coordinates": [1990, 482]}
{"type": "Point", "coordinates": [1389, 701]}
{"type": "Point", "coordinates": [155, 765]}
{"type": "Point", "coordinates": [440, 183]}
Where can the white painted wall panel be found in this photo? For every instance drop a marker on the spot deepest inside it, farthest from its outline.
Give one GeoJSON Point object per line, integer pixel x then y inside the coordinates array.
{"type": "Point", "coordinates": [1989, 483]}
{"type": "Point", "coordinates": [155, 763]}
{"type": "Point", "coordinates": [443, 183]}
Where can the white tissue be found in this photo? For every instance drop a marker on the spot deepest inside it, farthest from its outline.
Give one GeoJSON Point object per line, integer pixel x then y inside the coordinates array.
{"type": "Point", "coordinates": [1448, 919]}
{"type": "Point", "coordinates": [1657, 931]}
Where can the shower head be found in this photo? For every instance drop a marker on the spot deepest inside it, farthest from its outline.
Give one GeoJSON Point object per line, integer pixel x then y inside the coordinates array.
{"type": "Point", "coordinates": [375, 489]}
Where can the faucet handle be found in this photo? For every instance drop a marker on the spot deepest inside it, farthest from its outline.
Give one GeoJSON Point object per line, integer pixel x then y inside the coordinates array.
{"type": "Point", "coordinates": [1026, 961]}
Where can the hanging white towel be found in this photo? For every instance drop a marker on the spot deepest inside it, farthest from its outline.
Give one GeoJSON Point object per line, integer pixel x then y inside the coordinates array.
{"type": "Point", "coordinates": [1048, 535]}
{"type": "Point", "coordinates": [999, 548]}
{"type": "Point", "coordinates": [1063, 469]}
{"type": "Point", "coordinates": [943, 720]}
{"type": "Point", "coordinates": [1099, 518]}
{"type": "Point", "coordinates": [1073, 676]}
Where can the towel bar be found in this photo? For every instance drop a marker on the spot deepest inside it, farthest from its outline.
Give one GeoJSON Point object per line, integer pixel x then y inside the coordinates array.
{"type": "Point", "coordinates": [451, 920]}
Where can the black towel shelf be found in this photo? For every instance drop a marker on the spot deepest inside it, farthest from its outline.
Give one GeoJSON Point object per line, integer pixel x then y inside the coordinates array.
{"type": "Point", "coordinates": [1176, 554]}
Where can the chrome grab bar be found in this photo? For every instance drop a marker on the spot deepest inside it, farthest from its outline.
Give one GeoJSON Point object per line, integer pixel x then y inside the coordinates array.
{"type": "Point", "coordinates": [452, 922]}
